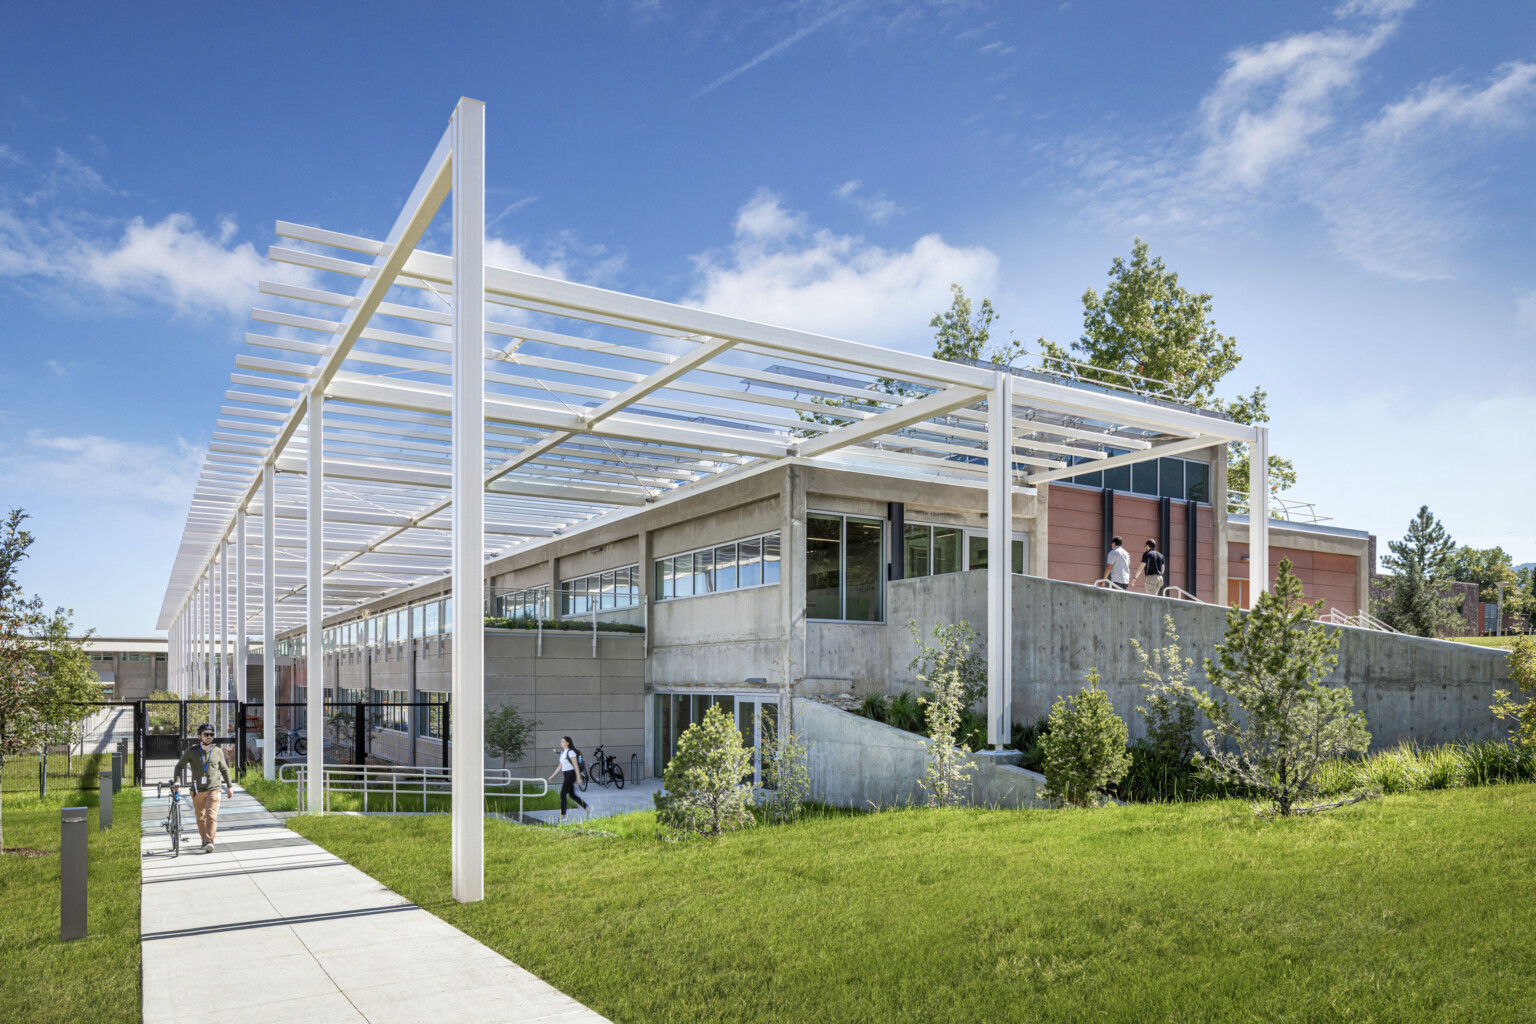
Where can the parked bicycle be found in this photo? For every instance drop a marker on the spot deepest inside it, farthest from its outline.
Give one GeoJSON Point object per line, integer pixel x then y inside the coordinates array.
{"type": "Point", "coordinates": [605, 769]}
{"type": "Point", "coordinates": [172, 822]}
{"type": "Point", "coordinates": [291, 741]}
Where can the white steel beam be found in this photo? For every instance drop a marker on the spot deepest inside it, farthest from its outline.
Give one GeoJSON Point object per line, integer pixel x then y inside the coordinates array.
{"type": "Point", "coordinates": [1000, 562]}
{"type": "Point", "coordinates": [892, 419]}
{"type": "Point", "coordinates": [242, 642]}
{"type": "Point", "coordinates": [468, 496]}
{"type": "Point", "coordinates": [1185, 444]}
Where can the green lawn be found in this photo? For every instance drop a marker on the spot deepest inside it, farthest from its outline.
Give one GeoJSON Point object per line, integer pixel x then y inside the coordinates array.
{"type": "Point", "coordinates": [65, 774]}
{"type": "Point", "coordinates": [280, 796]}
{"type": "Point", "coordinates": [1409, 908]}
{"type": "Point", "coordinates": [92, 979]}
{"type": "Point", "coordinates": [1486, 641]}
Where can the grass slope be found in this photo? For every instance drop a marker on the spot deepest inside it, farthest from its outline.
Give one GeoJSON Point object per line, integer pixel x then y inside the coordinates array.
{"type": "Point", "coordinates": [1410, 908]}
{"type": "Point", "coordinates": [96, 978]}
{"type": "Point", "coordinates": [1486, 641]}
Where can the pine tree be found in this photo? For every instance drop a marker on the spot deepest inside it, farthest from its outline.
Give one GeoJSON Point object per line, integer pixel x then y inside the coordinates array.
{"type": "Point", "coordinates": [1085, 749]}
{"type": "Point", "coordinates": [1418, 599]}
{"type": "Point", "coordinates": [1278, 724]}
{"type": "Point", "coordinates": [708, 787]}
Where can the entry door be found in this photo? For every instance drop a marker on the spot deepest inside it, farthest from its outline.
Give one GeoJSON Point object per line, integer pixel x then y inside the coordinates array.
{"type": "Point", "coordinates": [1237, 590]}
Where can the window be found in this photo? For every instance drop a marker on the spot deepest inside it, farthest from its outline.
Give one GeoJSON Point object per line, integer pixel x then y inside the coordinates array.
{"type": "Point", "coordinates": [431, 717]}
{"type": "Point", "coordinates": [675, 712]}
{"type": "Point", "coordinates": [936, 550]}
{"type": "Point", "coordinates": [389, 710]}
{"type": "Point", "coordinates": [844, 568]}
{"type": "Point", "coordinates": [529, 603]}
{"type": "Point", "coordinates": [753, 562]}
{"type": "Point", "coordinates": [599, 592]}
{"type": "Point", "coordinates": [1179, 479]}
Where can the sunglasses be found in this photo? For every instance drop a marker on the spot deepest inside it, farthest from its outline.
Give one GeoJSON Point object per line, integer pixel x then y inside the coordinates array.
{"type": "Point", "coordinates": [202, 734]}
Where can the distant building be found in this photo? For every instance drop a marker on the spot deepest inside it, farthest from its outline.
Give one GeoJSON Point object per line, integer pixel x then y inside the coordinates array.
{"type": "Point", "coordinates": [130, 668]}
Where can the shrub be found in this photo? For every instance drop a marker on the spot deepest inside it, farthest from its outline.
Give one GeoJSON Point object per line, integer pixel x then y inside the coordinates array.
{"type": "Point", "coordinates": [1286, 724]}
{"type": "Point", "coordinates": [708, 788]}
{"type": "Point", "coordinates": [876, 706]}
{"type": "Point", "coordinates": [967, 662]}
{"type": "Point", "coordinates": [943, 700]}
{"type": "Point", "coordinates": [1026, 739]}
{"type": "Point", "coordinates": [1522, 672]}
{"type": "Point", "coordinates": [907, 713]}
{"type": "Point", "coordinates": [785, 771]}
{"type": "Point", "coordinates": [1172, 712]}
{"type": "Point", "coordinates": [1085, 748]}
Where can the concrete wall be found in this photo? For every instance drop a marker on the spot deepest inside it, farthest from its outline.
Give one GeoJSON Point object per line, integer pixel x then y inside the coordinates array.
{"type": "Point", "coordinates": [857, 762]}
{"type": "Point", "coordinates": [1429, 691]}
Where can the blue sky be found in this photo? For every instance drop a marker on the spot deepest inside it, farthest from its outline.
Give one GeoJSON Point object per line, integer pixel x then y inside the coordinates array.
{"type": "Point", "coordinates": [1352, 183]}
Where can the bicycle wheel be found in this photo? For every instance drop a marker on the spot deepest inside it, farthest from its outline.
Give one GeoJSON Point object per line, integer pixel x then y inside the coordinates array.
{"type": "Point", "coordinates": [175, 829]}
{"type": "Point", "coordinates": [301, 746]}
{"type": "Point", "coordinates": [618, 776]}
{"type": "Point", "coordinates": [582, 778]}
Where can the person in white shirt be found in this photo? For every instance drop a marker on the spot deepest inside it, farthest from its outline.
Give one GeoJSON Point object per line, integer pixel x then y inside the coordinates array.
{"type": "Point", "coordinates": [569, 766]}
{"type": "Point", "coordinates": [1117, 569]}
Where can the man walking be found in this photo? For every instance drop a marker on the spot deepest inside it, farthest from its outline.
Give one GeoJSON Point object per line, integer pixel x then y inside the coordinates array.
{"type": "Point", "coordinates": [207, 764]}
{"type": "Point", "coordinates": [1117, 568]}
{"type": "Point", "coordinates": [1154, 564]}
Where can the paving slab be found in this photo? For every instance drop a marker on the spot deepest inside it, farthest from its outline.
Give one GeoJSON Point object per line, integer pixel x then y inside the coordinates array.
{"type": "Point", "coordinates": [301, 935]}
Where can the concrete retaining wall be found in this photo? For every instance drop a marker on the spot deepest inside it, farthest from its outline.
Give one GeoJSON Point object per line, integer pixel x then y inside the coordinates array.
{"type": "Point", "coordinates": [1410, 688]}
{"type": "Point", "coordinates": [858, 762]}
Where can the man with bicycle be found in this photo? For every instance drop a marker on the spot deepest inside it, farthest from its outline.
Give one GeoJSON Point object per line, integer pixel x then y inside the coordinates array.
{"type": "Point", "coordinates": [206, 763]}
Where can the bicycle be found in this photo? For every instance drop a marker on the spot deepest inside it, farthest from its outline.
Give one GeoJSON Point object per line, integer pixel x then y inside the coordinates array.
{"type": "Point", "coordinates": [172, 822]}
{"type": "Point", "coordinates": [605, 769]}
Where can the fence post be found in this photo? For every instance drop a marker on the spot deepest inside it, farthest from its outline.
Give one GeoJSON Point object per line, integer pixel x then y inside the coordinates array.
{"type": "Point", "coordinates": [359, 736]}
{"type": "Point", "coordinates": [104, 805]}
{"type": "Point", "coordinates": [117, 766]}
{"type": "Point", "coordinates": [72, 875]}
{"type": "Point", "coordinates": [240, 738]}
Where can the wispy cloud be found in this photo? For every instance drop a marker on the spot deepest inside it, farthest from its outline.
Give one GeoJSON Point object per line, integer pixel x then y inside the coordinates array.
{"type": "Point", "coordinates": [1283, 125]}
{"type": "Point", "coordinates": [510, 209]}
{"type": "Point", "coordinates": [782, 269]}
{"type": "Point", "coordinates": [875, 207]}
{"type": "Point", "coordinates": [776, 48]}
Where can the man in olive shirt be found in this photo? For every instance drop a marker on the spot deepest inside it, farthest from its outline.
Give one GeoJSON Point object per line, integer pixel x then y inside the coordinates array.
{"type": "Point", "coordinates": [207, 763]}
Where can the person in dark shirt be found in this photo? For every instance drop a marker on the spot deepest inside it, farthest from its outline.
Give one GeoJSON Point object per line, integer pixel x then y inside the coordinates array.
{"type": "Point", "coordinates": [207, 764]}
{"type": "Point", "coordinates": [1153, 565]}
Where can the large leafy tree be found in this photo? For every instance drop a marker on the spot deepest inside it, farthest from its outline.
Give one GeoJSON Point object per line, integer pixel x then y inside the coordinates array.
{"type": "Point", "coordinates": [964, 331]}
{"type": "Point", "coordinates": [1423, 565]}
{"type": "Point", "coordinates": [1278, 726]}
{"type": "Point", "coordinates": [1147, 325]}
{"type": "Point", "coordinates": [1488, 567]}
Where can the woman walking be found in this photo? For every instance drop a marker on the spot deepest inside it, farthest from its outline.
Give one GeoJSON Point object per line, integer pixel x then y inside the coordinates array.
{"type": "Point", "coordinates": [569, 765]}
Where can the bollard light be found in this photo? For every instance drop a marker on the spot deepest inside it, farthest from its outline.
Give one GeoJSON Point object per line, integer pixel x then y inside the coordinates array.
{"type": "Point", "coordinates": [117, 769]}
{"type": "Point", "coordinates": [72, 840]}
{"type": "Point", "coordinates": [104, 813]}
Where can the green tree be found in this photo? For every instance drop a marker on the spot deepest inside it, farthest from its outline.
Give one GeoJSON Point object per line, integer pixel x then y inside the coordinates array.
{"type": "Point", "coordinates": [19, 617]}
{"type": "Point", "coordinates": [1417, 597]}
{"type": "Point", "coordinates": [1278, 725]}
{"type": "Point", "coordinates": [1147, 325]}
{"type": "Point", "coordinates": [1488, 567]}
{"type": "Point", "coordinates": [1085, 748]}
{"type": "Point", "coordinates": [65, 688]}
{"type": "Point", "coordinates": [707, 783]}
{"type": "Point", "coordinates": [959, 641]}
{"type": "Point", "coordinates": [944, 704]}
{"type": "Point", "coordinates": [1522, 672]}
{"type": "Point", "coordinates": [964, 332]}
{"type": "Point", "coordinates": [508, 733]}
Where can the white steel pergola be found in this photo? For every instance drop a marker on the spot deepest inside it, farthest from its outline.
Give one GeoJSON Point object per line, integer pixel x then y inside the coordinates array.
{"type": "Point", "coordinates": [403, 413]}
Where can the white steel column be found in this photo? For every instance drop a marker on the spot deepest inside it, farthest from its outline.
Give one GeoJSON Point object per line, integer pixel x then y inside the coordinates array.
{"type": "Point", "coordinates": [242, 642]}
{"type": "Point", "coordinates": [999, 562]}
{"type": "Point", "coordinates": [468, 662]}
{"type": "Point", "coordinates": [268, 627]}
{"type": "Point", "coordinates": [223, 626]}
{"type": "Point", "coordinates": [1258, 515]}
{"type": "Point", "coordinates": [314, 576]}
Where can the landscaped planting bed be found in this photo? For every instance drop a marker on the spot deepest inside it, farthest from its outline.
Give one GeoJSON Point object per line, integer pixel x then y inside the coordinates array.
{"type": "Point", "coordinates": [1408, 908]}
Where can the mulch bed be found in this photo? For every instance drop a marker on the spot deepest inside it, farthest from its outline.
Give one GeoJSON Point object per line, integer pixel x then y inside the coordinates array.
{"type": "Point", "coordinates": [25, 851]}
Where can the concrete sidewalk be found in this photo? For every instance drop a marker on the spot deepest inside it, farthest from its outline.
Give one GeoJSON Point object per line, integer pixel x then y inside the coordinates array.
{"type": "Point", "coordinates": [605, 801]}
{"type": "Point", "coordinates": [302, 936]}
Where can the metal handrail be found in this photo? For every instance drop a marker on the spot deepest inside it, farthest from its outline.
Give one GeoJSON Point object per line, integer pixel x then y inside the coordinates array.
{"type": "Point", "coordinates": [1290, 510]}
{"type": "Point", "coordinates": [1180, 594]}
{"type": "Point", "coordinates": [398, 781]}
{"type": "Point", "coordinates": [1362, 620]}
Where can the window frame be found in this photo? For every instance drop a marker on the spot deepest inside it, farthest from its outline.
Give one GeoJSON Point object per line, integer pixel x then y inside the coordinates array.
{"type": "Point", "coordinates": [667, 574]}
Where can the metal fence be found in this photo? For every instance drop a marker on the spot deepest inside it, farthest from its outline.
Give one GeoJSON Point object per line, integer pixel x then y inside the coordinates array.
{"type": "Point", "coordinates": [367, 786]}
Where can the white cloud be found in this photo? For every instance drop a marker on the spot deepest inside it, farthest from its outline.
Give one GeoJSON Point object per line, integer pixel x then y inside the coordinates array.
{"type": "Point", "coordinates": [876, 208]}
{"type": "Point", "coordinates": [175, 263]}
{"type": "Point", "coordinates": [782, 270]}
{"type": "Point", "coordinates": [101, 472]}
{"type": "Point", "coordinates": [1283, 125]}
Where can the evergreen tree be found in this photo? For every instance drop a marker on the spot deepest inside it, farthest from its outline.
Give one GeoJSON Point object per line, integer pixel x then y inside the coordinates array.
{"type": "Point", "coordinates": [1084, 750]}
{"type": "Point", "coordinates": [708, 787]}
{"type": "Point", "coordinates": [1418, 599]}
{"type": "Point", "coordinates": [1280, 725]}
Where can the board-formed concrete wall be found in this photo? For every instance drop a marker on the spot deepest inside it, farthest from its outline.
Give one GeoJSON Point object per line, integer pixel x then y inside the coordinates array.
{"type": "Point", "coordinates": [858, 762]}
{"type": "Point", "coordinates": [1410, 688]}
